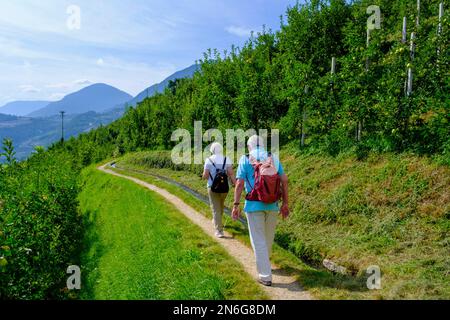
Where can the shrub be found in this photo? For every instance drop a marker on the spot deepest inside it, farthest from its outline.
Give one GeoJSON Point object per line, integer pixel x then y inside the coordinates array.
{"type": "Point", "coordinates": [39, 226]}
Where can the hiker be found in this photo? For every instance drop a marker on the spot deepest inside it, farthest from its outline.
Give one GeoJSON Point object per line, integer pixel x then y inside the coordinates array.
{"type": "Point", "coordinates": [217, 171]}
{"type": "Point", "coordinates": [265, 183]}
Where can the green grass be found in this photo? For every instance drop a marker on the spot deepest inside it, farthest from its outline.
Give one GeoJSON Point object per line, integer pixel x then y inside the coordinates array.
{"type": "Point", "coordinates": [137, 246]}
{"type": "Point", "coordinates": [390, 210]}
{"type": "Point", "coordinates": [319, 282]}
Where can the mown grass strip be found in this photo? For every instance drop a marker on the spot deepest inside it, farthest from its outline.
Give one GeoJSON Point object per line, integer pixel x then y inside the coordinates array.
{"type": "Point", "coordinates": [139, 247]}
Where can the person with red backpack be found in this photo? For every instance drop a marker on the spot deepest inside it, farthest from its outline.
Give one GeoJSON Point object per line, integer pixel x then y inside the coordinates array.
{"type": "Point", "coordinates": [265, 182]}
{"type": "Point", "coordinates": [218, 170]}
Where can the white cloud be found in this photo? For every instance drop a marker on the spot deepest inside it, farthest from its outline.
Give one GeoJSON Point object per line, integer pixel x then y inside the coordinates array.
{"type": "Point", "coordinates": [129, 45]}
{"type": "Point", "coordinates": [56, 96]}
{"type": "Point", "coordinates": [112, 24]}
{"type": "Point", "coordinates": [82, 82]}
{"type": "Point", "coordinates": [58, 86]}
{"type": "Point", "coordinates": [239, 31]}
{"type": "Point", "coordinates": [27, 65]}
{"type": "Point", "coordinates": [69, 85]}
{"type": "Point", "coordinates": [29, 88]}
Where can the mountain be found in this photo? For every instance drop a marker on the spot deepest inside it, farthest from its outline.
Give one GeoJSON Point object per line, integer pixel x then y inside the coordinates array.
{"type": "Point", "coordinates": [7, 117]}
{"type": "Point", "coordinates": [97, 97]}
{"type": "Point", "coordinates": [28, 133]}
{"type": "Point", "coordinates": [22, 108]}
{"type": "Point", "coordinates": [160, 87]}
{"type": "Point", "coordinates": [43, 127]}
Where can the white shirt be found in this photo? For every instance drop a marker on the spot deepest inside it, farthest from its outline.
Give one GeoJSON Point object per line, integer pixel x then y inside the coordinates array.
{"type": "Point", "coordinates": [218, 160]}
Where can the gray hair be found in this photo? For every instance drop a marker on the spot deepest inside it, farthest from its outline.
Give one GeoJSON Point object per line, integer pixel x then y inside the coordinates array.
{"type": "Point", "coordinates": [216, 148]}
{"type": "Point", "coordinates": [254, 142]}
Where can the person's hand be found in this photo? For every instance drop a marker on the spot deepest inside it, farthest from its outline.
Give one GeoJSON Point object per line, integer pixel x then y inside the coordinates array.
{"type": "Point", "coordinates": [236, 213]}
{"type": "Point", "coordinates": [285, 210]}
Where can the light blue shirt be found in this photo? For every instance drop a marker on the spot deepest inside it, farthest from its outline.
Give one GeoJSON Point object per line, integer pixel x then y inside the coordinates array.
{"type": "Point", "coordinates": [246, 172]}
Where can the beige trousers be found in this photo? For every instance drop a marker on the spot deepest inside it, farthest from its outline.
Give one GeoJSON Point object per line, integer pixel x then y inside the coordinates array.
{"type": "Point", "coordinates": [217, 203]}
{"type": "Point", "coordinates": [262, 226]}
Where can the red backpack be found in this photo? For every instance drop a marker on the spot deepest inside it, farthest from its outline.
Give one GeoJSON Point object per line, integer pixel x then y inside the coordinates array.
{"type": "Point", "coordinates": [267, 186]}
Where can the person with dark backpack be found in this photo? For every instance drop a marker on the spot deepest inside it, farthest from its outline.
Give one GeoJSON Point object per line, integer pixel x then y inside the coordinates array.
{"type": "Point", "coordinates": [218, 171]}
{"type": "Point", "coordinates": [263, 177]}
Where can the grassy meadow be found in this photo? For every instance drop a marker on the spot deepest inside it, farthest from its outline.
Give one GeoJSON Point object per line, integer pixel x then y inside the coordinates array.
{"type": "Point", "coordinates": [390, 210]}
{"type": "Point", "coordinates": [137, 246]}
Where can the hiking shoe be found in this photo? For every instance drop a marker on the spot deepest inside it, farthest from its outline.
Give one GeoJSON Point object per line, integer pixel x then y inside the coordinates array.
{"type": "Point", "coordinates": [219, 234]}
{"type": "Point", "coordinates": [265, 282]}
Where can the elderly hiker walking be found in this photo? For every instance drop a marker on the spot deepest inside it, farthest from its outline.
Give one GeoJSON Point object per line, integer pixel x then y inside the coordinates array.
{"type": "Point", "coordinates": [266, 183]}
{"type": "Point", "coordinates": [217, 171]}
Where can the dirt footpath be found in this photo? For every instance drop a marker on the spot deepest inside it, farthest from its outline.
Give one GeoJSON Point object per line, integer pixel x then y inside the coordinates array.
{"type": "Point", "coordinates": [284, 287]}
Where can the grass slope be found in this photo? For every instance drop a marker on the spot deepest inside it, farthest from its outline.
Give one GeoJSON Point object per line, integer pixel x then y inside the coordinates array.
{"type": "Point", "coordinates": [319, 282]}
{"type": "Point", "coordinates": [139, 247]}
{"type": "Point", "coordinates": [390, 210]}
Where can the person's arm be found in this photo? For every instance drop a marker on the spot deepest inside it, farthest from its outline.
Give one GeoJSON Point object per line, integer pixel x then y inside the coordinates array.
{"type": "Point", "coordinates": [205, 175]}
{"type": "Point", "coordinates": [230, 173]}
{"type": "Point", "coordinates": [285, 196]}
{"type": "Point", "coordinates": [237, 198]}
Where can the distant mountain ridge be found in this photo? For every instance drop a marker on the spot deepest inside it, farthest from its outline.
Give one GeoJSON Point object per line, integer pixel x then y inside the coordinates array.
{"type": "Point", "coordinates": [7, 117]}
{"type": "Point", "coordinates": [22, 108]}
{"type": "Point", "coordinates": [98, 97]}
{"type": "Point", "coordinates": [160, 87]}
{"type": "Point", "coordinates": [28, 132]}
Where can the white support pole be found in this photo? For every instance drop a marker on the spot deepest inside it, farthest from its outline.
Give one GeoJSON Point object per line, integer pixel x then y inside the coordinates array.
{"type": "Point", "coordinates": [367, 45]}
{"type": "Point", "coordinates": [404, 30]}
{"type": "Point", "coordinates": [303, 127]}
{"type": "Point", "coordinates": [410, 80]}
{"type": "Point", "coordinates": [359, 131]}
{"type": "Point", "coordinates": [405, 86]}
{"type": "Point", "coordinates": [412, 46]}
{"type": "Point", "coordinates": [333, 65]}
{"type": "Point", "coordinates": [304, 118]}
{"type": "Point", "coordinates": [441, 14]}
{"type": "Point", "coordinates": [412, 49]}
{"type": "Point", "coordinates": [418, 13]}
{"type": "Point", "coordinates": [359, 124]}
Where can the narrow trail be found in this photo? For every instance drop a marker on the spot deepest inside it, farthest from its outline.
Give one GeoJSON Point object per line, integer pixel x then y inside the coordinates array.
{"type": "Point", "coordinates": [284, 287]}
{"type": "Point", "coordinates": [194, 193]}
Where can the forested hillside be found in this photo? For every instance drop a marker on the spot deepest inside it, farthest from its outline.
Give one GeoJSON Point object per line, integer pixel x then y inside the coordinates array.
{"type": "Point", "coordinates": [283, 80]}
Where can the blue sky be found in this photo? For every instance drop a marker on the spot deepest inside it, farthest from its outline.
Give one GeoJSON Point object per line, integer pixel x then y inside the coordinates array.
{"type": "Point", "coordinates": [128, 44]}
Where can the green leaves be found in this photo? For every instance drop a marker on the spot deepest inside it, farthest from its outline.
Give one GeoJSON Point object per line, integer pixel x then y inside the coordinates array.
{"type": "Point", "coordinates": [3, 264]}
{"type": "Point", "coordinates": [8, 151]}
{"type": "Point", "coordinates": [282, 80]}
{"type": "Point", "coordinates": [40, 227]}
